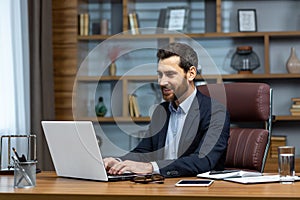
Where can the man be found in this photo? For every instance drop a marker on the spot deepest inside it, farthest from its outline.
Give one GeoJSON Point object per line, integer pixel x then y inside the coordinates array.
{"type": "Point", "coordinates": [188, 133]}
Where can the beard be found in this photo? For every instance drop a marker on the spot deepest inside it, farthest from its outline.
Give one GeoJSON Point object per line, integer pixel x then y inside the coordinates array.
{"type": "Point", "coordinates": [171, 94]}
{"type": "Point", "coordinates": [168, 94]}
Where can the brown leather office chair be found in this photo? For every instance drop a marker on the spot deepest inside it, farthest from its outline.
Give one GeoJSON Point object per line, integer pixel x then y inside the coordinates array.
{"type": "Point", "coordinates": [249, 104]}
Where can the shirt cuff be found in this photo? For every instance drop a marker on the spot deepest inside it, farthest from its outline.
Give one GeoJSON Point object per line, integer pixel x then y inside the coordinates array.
{"type": "Point", "coordinates": [155, 167]}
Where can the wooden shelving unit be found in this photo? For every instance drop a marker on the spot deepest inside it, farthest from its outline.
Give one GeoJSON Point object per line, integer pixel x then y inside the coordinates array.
{"type": "Point", "coordinates": [70, 49]}
{"type": "Point", "coordinates": [67, 46]}
{"type": "Point", "coordinates": [287, 118]}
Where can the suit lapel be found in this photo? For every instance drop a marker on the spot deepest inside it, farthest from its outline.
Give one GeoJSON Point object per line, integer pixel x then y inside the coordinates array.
{"type": "Point", "coordinates": [162, 135]}
{"type": "Point", "coordinates": [190, 127]}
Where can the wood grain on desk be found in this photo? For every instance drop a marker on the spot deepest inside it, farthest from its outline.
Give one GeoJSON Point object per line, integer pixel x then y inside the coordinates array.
{"type": "Point", "coordinates": [49, 186]}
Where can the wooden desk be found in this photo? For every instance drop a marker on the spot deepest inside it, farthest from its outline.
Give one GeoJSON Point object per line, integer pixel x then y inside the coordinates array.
{"type": "Point", "coordinates": [51, 187]}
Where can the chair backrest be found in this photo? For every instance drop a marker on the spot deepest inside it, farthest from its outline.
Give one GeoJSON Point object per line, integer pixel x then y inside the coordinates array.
{"type": "Point", "coordinates": [246, 102]}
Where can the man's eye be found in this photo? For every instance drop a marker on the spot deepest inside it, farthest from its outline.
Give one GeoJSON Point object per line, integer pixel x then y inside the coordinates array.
{"type": "Point", "coordinates": [170, 74]}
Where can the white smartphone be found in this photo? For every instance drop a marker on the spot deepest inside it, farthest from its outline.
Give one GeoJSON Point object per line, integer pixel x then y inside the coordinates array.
{"type": "Point", "coordinates": [205, 183]}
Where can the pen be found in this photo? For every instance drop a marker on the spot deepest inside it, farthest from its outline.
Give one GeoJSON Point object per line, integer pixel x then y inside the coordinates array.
{"type": "Point", "coordinates": [21, 159]}
{"type": "Point", "coordinates": [222, 172]}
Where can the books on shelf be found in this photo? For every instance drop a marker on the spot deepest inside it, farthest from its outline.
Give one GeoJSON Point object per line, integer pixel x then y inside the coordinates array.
{"type": "Point", "coordinates": [295, 107]}
{"type": "Point", "coordinates": [83, 24]}
{"type": "Point", "coordinates": [161, 23]}
{"type": "Point", "coordinates": [134, 23]}
{"type": "Point", "coordinates": [276, 141]}
{"type": "Point", "coordinates": [134, 110]}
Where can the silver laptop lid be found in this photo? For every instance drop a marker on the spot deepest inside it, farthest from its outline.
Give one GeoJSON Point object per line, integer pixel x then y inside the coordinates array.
{"type": "Point", "coordinates": [74, 149]}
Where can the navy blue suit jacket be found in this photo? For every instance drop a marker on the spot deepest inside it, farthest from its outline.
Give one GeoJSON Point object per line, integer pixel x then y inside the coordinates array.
{"type": "Point", "coordinates": [203, 142]}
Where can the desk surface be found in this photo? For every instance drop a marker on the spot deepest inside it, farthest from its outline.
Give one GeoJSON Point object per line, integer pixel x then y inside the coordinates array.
{"type": "Point", "coordinates": [49, 186]}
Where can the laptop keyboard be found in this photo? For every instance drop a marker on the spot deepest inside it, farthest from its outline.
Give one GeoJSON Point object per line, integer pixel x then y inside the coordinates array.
{"type": "Point", "coordinates": [120, 177]}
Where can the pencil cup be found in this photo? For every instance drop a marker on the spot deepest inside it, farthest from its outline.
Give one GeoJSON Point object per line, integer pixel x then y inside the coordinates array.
{"type": "Point", "coordinates": [286, 164]}
{"type": "Point", "coordinates": [25, 174]}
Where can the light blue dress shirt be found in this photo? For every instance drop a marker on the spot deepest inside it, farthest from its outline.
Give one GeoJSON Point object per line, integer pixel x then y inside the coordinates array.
{"type": "Point", "coordinates": [176, 122]}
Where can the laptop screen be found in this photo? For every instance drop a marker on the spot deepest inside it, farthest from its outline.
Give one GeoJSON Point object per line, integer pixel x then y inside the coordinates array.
{"type": "Point", "coordinates": [74, 149]}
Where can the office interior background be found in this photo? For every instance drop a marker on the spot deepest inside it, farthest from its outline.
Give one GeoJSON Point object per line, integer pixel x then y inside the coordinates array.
{"type": "Point", "coordinates": [42, 50]}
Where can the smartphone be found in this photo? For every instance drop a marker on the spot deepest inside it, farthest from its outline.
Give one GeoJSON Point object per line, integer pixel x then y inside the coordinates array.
{"type": "Point", "coordinates": [205, 183]}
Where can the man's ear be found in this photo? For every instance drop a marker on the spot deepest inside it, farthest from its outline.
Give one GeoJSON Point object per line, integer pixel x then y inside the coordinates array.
{"type": "Point", "coordinates": [192, 73]}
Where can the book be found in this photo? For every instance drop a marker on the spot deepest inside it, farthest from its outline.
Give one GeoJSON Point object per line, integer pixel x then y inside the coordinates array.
{"type": "Point", "coordinates": [134, 110]}
{"type": "Point", "coordinates": [295, 110]}
{"type": "Point", "coordinates": [133, 23]}
{"type": "Point", "coordinates": [276, 141]}
{"type": "Point", "coordinates": [296, 99]}
{"type": "Point", "coordinates": [131, 112]}
{"type": "Point", "coordinates": [95, 28]}
{"type": "Point", "coordinates": [83, 24]}
{"type": "Point", "coordinates": [296, 106]}
{"type": "Point", "coordinates": [104, 27]}
{"type": "Point", "coordinates": [135, 106]}
{"type": "Point", "coordinates": [295, 113]}
{"type": "Point", "coordinates": [161, 22]}
{"type": "Point", "coordinates": [228, 174]}
{"type": "Point", "coordinates": [136, 23]}
{"type": "Point", "coordinates": [86, 23]}
{"type": "Point", "coordinates": [115, 15]}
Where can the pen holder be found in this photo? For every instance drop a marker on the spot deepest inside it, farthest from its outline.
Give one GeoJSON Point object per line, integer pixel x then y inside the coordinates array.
{"type": "Point", "coordinates": [25, 174]}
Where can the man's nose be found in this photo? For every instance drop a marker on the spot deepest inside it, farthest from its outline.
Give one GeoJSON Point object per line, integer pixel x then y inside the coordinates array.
{"type": "Point", "coordinates": [162, 81]}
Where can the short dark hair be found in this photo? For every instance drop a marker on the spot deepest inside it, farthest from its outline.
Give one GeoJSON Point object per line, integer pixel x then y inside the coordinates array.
{"type": "Point", "coordinates": [188, 57]}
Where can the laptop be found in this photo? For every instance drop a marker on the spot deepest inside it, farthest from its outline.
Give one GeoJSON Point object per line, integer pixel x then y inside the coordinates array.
{"type": "Point", "coordinates": [75, 151]}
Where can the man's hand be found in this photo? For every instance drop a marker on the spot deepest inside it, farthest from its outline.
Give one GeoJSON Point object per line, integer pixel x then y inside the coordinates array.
{"type": "Point", "coordinates": [109, 162]}
{"type": "Point", "coordinates": [116, 167]}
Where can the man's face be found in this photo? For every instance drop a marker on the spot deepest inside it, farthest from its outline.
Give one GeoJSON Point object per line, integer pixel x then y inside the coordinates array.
{"type": "Point", "coordinates": [172, 79]}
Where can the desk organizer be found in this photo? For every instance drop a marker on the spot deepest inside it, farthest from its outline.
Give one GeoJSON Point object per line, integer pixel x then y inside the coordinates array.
{"type": "Point", "coordinates": [31, 150]}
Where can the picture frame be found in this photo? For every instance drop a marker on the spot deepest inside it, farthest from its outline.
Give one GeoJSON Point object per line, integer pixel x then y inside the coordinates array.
{"type": "Point", "coordinates": [247, 21]}
{"type": "Point", "coordinates": [177, 19]}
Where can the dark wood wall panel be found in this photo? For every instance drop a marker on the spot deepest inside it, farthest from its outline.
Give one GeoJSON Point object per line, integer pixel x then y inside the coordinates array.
{"type": "Point", "coordinates": [64, 55]}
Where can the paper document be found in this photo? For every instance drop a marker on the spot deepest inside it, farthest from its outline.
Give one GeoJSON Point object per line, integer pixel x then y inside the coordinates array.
{"type": "Point", "coordinates": [228, 174]}
{"type": "Point", "coordinates": [258, 179]}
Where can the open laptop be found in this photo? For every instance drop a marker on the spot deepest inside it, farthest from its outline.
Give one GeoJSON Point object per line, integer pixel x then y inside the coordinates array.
{"type": "Point", "coordinates": [75, 151]}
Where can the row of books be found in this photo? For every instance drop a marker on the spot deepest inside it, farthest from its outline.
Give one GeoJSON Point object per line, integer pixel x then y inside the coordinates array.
{"type": "Point", "coordinates": [175, 16]}
{"type": "Point", "coordinates": [102, 26]}
{"type": "Point", "coordinates": [295, 107]}
{"type": "Point", "coordinates": [85, 27]}
{"type": "Point", "coordinates": [134, 110]}
{"type": "Point", "coordinates": [276, 141]}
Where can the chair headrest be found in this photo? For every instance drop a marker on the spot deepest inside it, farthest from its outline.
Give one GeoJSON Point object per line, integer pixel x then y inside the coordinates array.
{"type": "Point", "coordinates": [244, 101]}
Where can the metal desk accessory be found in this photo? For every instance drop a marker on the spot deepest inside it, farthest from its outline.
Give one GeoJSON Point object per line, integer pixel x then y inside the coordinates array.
{"type": "Point", "coordinates": [31, 151]}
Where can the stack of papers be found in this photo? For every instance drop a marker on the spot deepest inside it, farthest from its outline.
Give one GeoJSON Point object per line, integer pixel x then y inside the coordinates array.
{"type": "Point", "coordinates": [228, 174]}
{"type": "Point", "coordinates": [244, 177]}
{"type": "Point", "coordinates": [260, 179]}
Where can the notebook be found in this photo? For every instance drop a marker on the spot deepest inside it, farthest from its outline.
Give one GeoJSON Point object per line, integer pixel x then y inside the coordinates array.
{"type": "Point", "coordinates": [75, 151]}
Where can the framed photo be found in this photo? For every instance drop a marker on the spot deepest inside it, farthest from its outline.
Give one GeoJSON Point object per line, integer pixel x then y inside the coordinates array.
{"type": "Point", "coordinates": [247, 20]}
{"type": "Point", "coordinates": [177, 18]}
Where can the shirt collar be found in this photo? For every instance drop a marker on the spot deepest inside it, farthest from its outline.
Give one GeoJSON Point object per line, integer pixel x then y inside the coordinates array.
{"type": "Point", "coordinates": [186, 104]}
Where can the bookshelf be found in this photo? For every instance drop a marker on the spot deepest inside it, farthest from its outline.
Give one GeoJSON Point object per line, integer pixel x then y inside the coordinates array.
{"type": "Point", "coordinates": [212, 24]}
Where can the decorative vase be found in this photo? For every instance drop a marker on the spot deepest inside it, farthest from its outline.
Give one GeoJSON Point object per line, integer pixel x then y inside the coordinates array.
{"type": "Point", "coordinates": [293, 63]}
{"type": "Point", "coordinates": [100, 108]}
{"type": "Point", "coordinates": [112, 69]}
{"type": "Point", "coordinates": [244, 60]}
